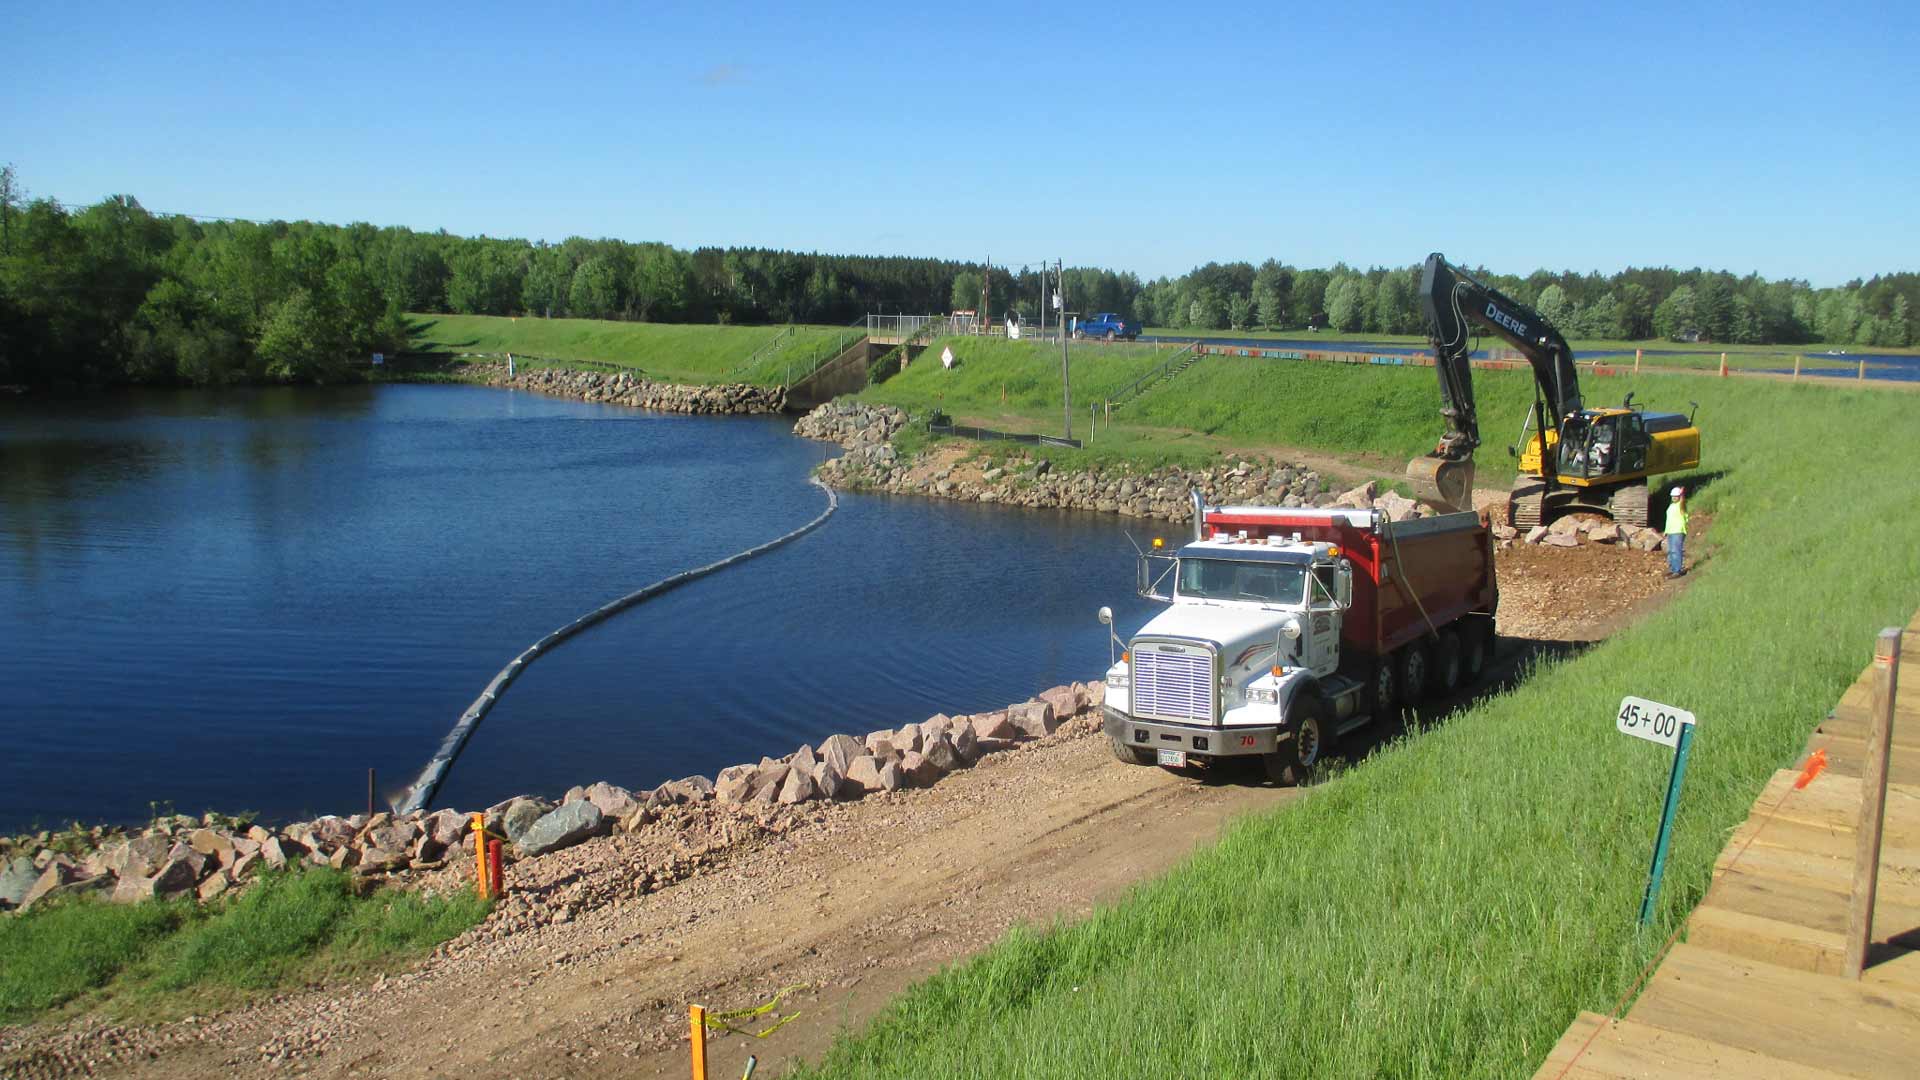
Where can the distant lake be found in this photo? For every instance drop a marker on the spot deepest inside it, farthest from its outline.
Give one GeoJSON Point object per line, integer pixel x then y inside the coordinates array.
{"type": "Point", "coordinates": [243, 600]}
{"type": "Point", "coordinates": [1900, 368]}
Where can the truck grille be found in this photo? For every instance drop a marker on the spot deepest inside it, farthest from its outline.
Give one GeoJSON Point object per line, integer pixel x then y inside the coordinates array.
{"type": "Point", "coordinates": [1173, 686]}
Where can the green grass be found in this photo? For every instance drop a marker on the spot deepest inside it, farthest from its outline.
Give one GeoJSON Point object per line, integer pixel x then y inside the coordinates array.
{"type": "Point", "coordinates": [156, 959]}
{"type": "Point", "coordinates": [1691, 354]}
{"type": "Point", "coordinates": [667, 351]}
{"type": "Point", "coordinates": [1445, 907]}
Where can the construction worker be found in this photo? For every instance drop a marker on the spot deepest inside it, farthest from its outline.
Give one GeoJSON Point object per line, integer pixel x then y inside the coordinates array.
{"type": "Point", "coordinates": [1677, 533]}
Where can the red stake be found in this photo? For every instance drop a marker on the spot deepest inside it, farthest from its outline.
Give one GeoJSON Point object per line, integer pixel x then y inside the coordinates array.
{"type": "Point", "coordinates": [496, 877]}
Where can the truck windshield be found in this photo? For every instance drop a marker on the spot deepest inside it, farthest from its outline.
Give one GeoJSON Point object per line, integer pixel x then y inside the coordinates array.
{"type": "Point", "coordinates": [1223, 579]}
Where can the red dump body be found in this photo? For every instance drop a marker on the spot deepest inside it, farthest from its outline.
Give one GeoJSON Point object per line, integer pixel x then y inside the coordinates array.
{"type": "Point", "coordinates": [1444, 562]}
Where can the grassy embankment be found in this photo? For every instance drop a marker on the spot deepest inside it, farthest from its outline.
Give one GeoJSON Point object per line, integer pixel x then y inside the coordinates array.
{"type": "Point", "coordinates": [160, 959]}
{"type": "Point", "coordinates": [1664, 353]}
{"type": "Point", "coordinates": [664, 351]}
{"type": "Point", "coordinates": [1443, 909]}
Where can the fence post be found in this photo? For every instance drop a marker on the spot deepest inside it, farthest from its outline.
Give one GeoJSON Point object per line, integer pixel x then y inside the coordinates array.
{"type": "Point", "coordinates": [1863, 369]}
{"type": "Point", "coordinates": [1723, 365]}
{"type": "Point", "coordinates": [1636, 361]}
{"type": "Point", "coordinates": [1873, 800]}
{"type": "Point", "coordinates": [698, 1016]}
{"type": "Point", "coordinates": [1796, 367]}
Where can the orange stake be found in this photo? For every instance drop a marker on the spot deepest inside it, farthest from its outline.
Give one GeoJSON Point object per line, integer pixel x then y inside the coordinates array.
{"type": "Point", "coordinates": [698, 1016]}
{"type": "Point", "coordinates": [480, 854]}
{"type": "Point", "coordinates": [1816, 761]}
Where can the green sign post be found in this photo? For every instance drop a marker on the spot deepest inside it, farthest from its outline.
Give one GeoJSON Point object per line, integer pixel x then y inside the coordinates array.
{"type": "Point", "coordinates": [1667, 726]}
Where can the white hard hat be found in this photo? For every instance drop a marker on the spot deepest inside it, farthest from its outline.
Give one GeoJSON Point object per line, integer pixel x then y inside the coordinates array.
{"type": "Point", "coordinates": [1678, 493]}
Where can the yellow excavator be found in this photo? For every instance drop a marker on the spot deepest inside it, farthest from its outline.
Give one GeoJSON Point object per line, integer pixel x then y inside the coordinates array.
{"type": "Point", "coordinates": [1572, 458]}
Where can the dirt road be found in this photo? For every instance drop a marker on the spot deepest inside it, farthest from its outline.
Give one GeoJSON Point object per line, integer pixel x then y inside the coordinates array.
{"type": "Point", "coordinates": [588, 968]}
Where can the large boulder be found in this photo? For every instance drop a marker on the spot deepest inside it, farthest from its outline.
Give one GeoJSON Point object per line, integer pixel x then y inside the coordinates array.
{"type": "Point", "coordinates": [965, 743]}
{"type": "Point", "coordinates": [1536, 534]}
{"type": "Point", "coordinates": [944, 756]}
{"type": "Point", "coordinates": [1605, 532]}
{"type": "Point", "coordinates": [994, 725]}
{"type": "Point", "coordinates": [865, 773]}
{"type": "Point", "coordinates": [935, 726]}
{"type": "Point", "coordinates": [564, 827]}
{"type": "Point", "coordinates": [1360, 498]}
{"type": "Point", "coordinates": [57, 873]}
{"type": "Point", "coordinates": [918, 770]}
{"type": "Point", "coordinates": [1396, 507]}
{"type": "Point", "coordinates": [908, 739]}
{"type": "Point", "coordinates": [1568, 525]}
{"type": "Point", "coordinates": [1032, 719]}
{"type": "Point", "coordinates": [1648, 540]}
{"type": "Point", "coordinates": [612, 799]}
{"type": "Point", "coordinates": [447, 827]}
{"type": "Point", "coordinates": [17, 880]}
{"type": "Point", "coordinates": [803, 760]}
{"type": "Point", "coordinates": [1097, 693]}
{"type": "Point", "coordinates": [798, 787]}
{"type": "Point", "coordinates": [767, 780]}
{"type": "Point", "coordinates": [734, 784]}
{"type": "Point", "coordinates": [832, 783]}
{"type": "Point", "coordinates": [1565, 540]}
{"type": "Point", "coordinates": [840, 750]}
{"type": "Point", "coordinates": [521, 814]}
{"type": "Point", "coordinates": [692, 789]}
{"type": "Point", "coordinates": [1063, 699]}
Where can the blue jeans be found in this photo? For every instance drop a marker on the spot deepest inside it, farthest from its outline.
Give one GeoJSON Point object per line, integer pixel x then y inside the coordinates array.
{"type": "Point", "coordinates": [1676, 553]}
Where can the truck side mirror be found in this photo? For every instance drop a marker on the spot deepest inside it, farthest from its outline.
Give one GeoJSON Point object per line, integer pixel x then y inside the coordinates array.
{"type": "Point", "coordinates": [1345, 585]}
{"type": "Point", "coordinates": [1106, 616]}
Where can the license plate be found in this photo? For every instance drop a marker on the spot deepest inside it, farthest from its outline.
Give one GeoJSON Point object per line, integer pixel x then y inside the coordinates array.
{"type": "Point", "coordinates": [1175, 758]}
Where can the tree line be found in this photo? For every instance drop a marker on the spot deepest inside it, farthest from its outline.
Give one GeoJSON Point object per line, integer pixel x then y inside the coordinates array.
{"type": "Point", "coordinates": [111, 293]}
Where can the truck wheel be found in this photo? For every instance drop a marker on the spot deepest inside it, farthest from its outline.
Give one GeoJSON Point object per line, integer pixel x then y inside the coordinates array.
{"type": "Point", "coordinates": [1109, 337]}
{"type": "Point", "coordinates": [1386, 686]}
{"type": "Point", "coordinates": [1447, 662]}
{"type": "Point", "coordinates": [1414, 668]}
{"type": "Point", "coordinates": [1476, 644]}
{"type": "Point", "coordinates": [1294, 763]}
{"type": "Point", "coordinates": [1127, 753]}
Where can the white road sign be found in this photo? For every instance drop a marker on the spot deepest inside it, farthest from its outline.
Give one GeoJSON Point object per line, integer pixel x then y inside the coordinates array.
{"type": "Point", "coordinates": [1651, 720]}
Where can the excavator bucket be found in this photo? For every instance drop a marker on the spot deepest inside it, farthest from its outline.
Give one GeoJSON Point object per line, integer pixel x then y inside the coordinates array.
{"type": "Point", "coordinates": [1446, 485]}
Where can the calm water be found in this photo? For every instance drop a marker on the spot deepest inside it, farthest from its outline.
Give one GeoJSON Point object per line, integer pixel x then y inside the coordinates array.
{"type": "Point", "coordinates": [244, 600]}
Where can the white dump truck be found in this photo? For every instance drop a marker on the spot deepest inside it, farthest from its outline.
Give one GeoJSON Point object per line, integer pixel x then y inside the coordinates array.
{"type": "Point", "coordinates": [1286, 628]}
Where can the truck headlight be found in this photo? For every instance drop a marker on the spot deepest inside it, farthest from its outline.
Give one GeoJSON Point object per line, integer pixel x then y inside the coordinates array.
{"type": "Point", "coordinates": [1117, 679]}
{"type": "Point", "coordinates": [1263, 695]}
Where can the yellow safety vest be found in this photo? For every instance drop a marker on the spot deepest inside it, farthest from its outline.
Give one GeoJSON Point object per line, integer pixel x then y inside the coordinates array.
{"type": "Point", "coordinates": [1676, 519]}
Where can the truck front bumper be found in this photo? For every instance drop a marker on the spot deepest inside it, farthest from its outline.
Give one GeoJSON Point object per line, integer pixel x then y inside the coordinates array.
{"type": "Point", "coordinates": [1193, 738]}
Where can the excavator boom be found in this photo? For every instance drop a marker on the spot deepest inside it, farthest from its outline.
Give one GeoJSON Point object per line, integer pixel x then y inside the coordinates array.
{"type": "Point", "coordinates": [1450, 299]}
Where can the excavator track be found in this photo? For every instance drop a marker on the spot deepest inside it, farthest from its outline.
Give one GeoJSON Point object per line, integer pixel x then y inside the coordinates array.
{"type": "Point", "coordinates": [1525, 502]}
{"type": "Point", "coordinates": [1629, 503]}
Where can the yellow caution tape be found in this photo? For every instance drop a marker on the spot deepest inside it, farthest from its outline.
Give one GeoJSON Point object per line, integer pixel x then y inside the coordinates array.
{"type": "Point", "coordinates": [717, 1021]}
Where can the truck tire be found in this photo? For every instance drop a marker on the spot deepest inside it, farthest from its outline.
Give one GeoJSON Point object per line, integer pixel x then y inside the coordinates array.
{"type": "Point", "coordinates": [1386, 686]}
{"type": "Point", "coordinates": [1297, 759]}
{"type": "Point", "coordinates": [1126, 753]}
{"type": "Point", "coordinates": [1415, 667]}
{"type": "Point", "coordinates": [1448, 664]}
{"type": "Point", "coordinates": [1476, 648]}
{"type": "Point", "coordinates": [1109, 337]}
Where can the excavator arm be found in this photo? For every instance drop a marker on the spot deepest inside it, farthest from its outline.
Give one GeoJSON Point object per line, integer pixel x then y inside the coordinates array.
{"type": "Point", "coordinates": [1450, 299]}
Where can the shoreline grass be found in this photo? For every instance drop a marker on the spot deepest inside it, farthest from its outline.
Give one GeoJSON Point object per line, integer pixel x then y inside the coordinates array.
{"type": "Point", "coordinates": [673, 352]}
{"type": "Point", "coordinates": [161, 958]}
{"type": "Point", "coordinates": [1445, 908]}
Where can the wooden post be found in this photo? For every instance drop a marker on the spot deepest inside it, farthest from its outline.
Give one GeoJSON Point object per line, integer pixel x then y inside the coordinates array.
{"type": "Point", "coordinates": [1863, 368]}
{"type": "Point", "coordinates": [1636, 361]}
{"type": "Point", "coordinates": [1873, 800]}
{"type": "Point", "coordinates": [1796, 367]}
{"type": "Point", "coordinates": [698, 1016]}
{"type": "Point", "coordinates": [1723, 365]}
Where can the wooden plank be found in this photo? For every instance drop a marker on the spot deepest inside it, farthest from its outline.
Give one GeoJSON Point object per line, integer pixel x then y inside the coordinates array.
{"type": "Point", "coordinates": [1812, 1020]}
{"type": "Point", "coordinates": [1899, 884]}
{"type": "Point", "coordinates": [1814, 841]}
{"type": "Point", "coordinates": [1846, 757]}
{"type": "Point", "coordinates": [1821, 952]}
{"type": "Point", "coordinates": [1832, 802]}
{"type": "Point", "coordinates": [1627, 1048]}
{"type": "Point", "coordinates": [1808, 905]}
{"type": "Point", "coordinates": [1850, 722]}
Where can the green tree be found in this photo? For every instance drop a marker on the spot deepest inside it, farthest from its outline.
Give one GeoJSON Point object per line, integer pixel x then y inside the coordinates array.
{"type": "Point", "coordinates": [549, 282]}
{"type": "Point", "coordinates": [1554, 307]}
{"type": "Point", "coordinates": [965, 295]}
{"type": "Point", "coordinates": [1900, 323]}
{"type": "Point", "coordinates": [1633, 317]}
{"type": "Point", "coordinates": [595, 291]}
{"type": "Point", "coordinates": [301, 341]}
{"type": "Point", "coordinates": [662, 279]}
{"type": "Point", "coordinates": [1674, 318]}
{"type": "Point", "coordinates": [1272, 289]}
{"type": "Point", "coordinates": [1309, 296]}
{"type": "Point", "coordinates": [1239, 310]}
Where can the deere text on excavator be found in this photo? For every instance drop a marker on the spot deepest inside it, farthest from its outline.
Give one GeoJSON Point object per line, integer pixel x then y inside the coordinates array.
{"type": "Point", "coordinates": [1577, 459]}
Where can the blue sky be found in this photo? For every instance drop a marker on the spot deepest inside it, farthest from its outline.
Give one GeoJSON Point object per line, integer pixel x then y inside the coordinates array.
{"type": "Point", "coordinates": [1777, 138]}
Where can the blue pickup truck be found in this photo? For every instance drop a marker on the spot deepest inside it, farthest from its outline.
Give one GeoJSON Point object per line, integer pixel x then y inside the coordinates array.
{"type": "Point", "coordinates": [1107, 325]}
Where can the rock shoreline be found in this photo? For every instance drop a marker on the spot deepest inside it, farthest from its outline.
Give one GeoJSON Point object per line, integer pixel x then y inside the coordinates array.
{"type": "Point", "coordinates": [625, 388]}
{"type": "Point", "coordinates": [205, 858]}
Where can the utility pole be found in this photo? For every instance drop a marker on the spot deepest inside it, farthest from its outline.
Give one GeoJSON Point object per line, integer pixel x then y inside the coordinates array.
{"type": "Point", "coordinates": [1066, 392]}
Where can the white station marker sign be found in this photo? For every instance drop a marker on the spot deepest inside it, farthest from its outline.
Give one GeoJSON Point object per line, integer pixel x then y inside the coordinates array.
{"type": "Point", "coordinates": [1651, 720]}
